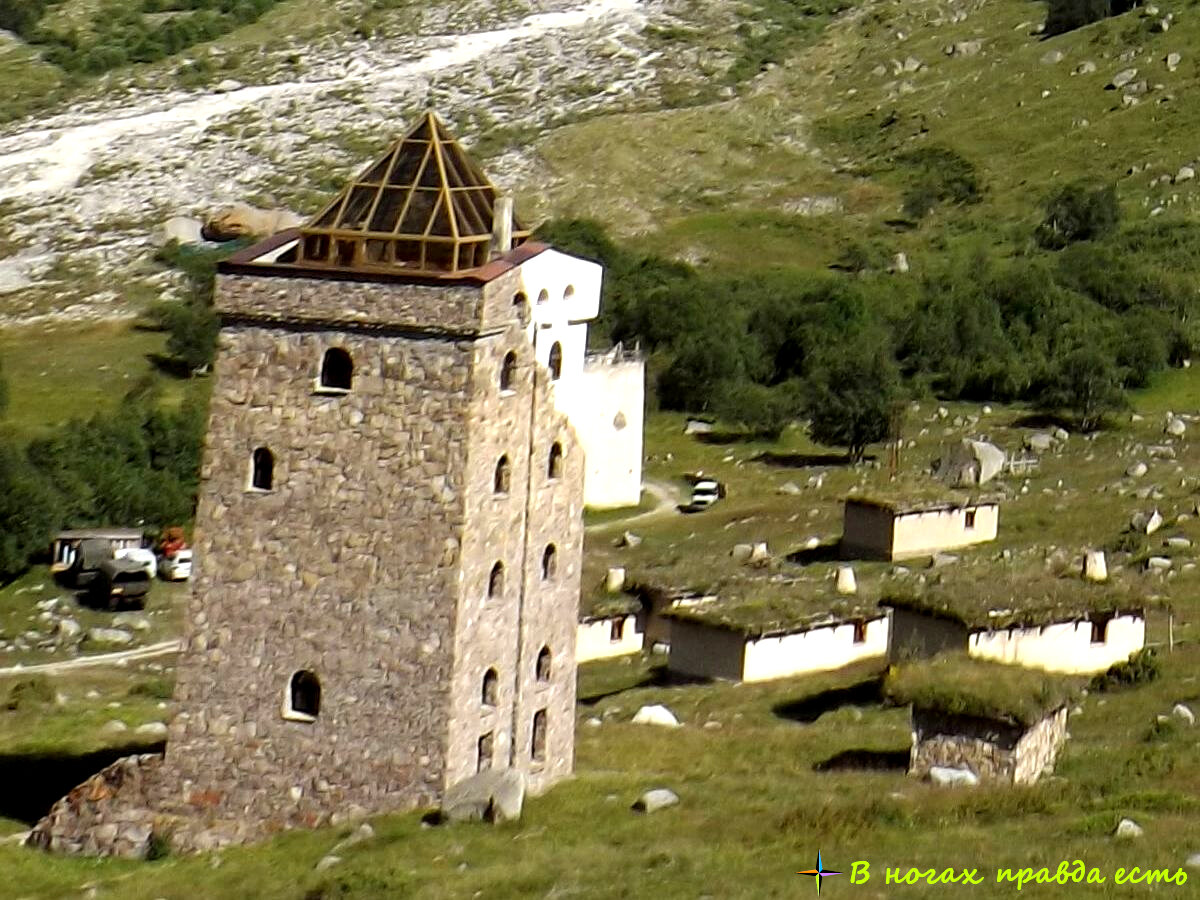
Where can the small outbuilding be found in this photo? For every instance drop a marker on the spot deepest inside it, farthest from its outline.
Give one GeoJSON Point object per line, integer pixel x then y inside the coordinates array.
{"type": "Point", "coordinates": [744, 640]}
{"type": "Point", "coordinates": [65, 545]}
{"type": "Point", "coordinates": [1059, 624]}
{"type": "Point", "coordinates": [902, 527]}
{"type": "Point", "coordinates": [982, 722]}
{"type": "Point", "coordinates": [612, 626]}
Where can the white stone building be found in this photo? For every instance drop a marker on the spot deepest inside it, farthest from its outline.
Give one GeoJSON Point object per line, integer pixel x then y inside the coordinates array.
{"type": "Point", "coordinates": [607, 636]}
{"type": "Point", "coordinates": [901, 529]}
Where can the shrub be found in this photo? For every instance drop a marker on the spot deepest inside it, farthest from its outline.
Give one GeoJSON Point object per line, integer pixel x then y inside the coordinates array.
{"type": "Point", "coordinates": [29, 692]}
{"type": "Point", "coordinates": [1142, 667]}
{"type": "Point", "coordinates": [1080, 211]}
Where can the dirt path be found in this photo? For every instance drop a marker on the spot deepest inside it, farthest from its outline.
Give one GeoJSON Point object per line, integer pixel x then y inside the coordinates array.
{"type": "Point", "coordinates": [667, 500]}
{"type": "Point", "coordinates": [100, 659]}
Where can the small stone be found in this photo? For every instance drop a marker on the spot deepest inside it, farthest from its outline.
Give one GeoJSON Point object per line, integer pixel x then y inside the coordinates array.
{"type": "Point", "coordinates": [1087, 67]}
{"type": "Point", "coordinates": [845, 580]}
{"type": "Point", "coordinates": [1180, 711]}
{"type": "Point", "coordinates": [656, 714]}
{"type": "Point", "coordinates": [151, 730]}
{"type": "Point", "coordinates": [1158, 563]}
{"type": "Point", "coordinates": [939, 560]}
{"type": "Point", "coordinates": [946, 776]}
{"type": "Point", "coordinates": [327, 862]}
{"type": "Point", "coordinates": [1039, 441]}
{"type": "Point", "coordinates": [1173, 61]}
{"type": "Point", "coordinates": [1137, 470]}
{"type": "Point", "coordinates": [114, 726]}
{"type": "Point", "coordinates": [1193, 861]}
{"type": "Point", "coordinates": [227, 85]}
{"type": "Point", "coordinates": [111, 636]}
{"type": "Point", "coordinates": [652, 801]}
{"type": "Point", "coordinates": [1177, 543]}
{"type": "Point", "coordinates": [1176, 426]}
{"type": "Point", "coordinates": [1123, 78]}
{"type": "Point", "coordinates": [629, 539]}
{"type": "Point", "coordinates": [1127, 828]}
{"type": "Point", "coordinates": [1052, 57]}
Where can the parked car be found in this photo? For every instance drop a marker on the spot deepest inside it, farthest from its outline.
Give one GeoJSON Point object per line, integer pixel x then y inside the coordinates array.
{"type": "Point", "coordinates": [177, 567]}
{"type": "Point", "coordinates": [143, 556]}
{"type": "Point", "coordinates": [705, 493]}
{"type": "Point", "coordinates": [120, 582]}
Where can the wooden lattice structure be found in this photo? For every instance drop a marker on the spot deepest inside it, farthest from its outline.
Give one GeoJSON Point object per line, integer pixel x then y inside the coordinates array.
{"type": "Point", "coordinates": [424, 206]}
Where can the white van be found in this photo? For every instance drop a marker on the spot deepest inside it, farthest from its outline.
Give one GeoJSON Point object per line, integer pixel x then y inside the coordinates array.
{"type": "Point", "coordinates": [705, 493]}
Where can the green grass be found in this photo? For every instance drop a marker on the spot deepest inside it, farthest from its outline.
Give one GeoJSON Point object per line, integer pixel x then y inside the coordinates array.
{"type": "Point", "coordinates": [63, 372]}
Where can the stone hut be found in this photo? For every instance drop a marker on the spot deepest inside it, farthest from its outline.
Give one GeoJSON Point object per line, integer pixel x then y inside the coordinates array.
{"type": "Point", "coordinates": [389, 532]}
{"type": "Point", "coordinates": [1063, 625]}
{"type": "Point", "coordinates": [895, 528]}
{"type": "Point", "coordinates": [1001, 724]}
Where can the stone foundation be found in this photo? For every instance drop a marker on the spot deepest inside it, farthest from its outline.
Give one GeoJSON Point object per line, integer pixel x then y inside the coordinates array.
{"type": "Point", "coordinates": [996, 751]}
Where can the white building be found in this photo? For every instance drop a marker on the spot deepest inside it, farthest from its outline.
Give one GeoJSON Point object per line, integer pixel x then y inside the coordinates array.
{"type": "Point", "coordinates": [892, 530]}
{"type": "Point", "coordinates": [1078, 639]}
{"type": "Point", "coordinates": [603, 637]}
{"type": "Point", "coordinates": [712, 649]}
{"type": "Point", "coordinates": [602, 394]}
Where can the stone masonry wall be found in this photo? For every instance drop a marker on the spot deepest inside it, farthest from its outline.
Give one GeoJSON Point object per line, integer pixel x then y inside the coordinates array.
{"type": "Point", "coordinates": [995, 751]}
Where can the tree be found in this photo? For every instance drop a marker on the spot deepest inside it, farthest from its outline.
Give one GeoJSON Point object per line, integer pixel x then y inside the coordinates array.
{"type": "Point", "coordinates": [853, 396]}
{"type": "Point", "coordinates": [1086, 382]}
{"type": "Point", "coordinates": [29, 511]}
{"type": "Point", "coordinates": [766, 411]}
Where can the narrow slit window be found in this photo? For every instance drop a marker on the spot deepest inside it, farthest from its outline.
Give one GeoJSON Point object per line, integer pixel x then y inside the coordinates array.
{"type": "Point", "coordinates": [1100, 631]}
{"type": "Point", "coordinates": [860, 632]}
{"type": "Point", "coordinates": [970, 520]}
{"type": "Point", "coordinates": [262, 473]}
{"type": "Point", "coordinates": [549, 562]}
{"type": "Point", "coordinates": [508, 371]}
{"type": "Point", "coordinates": [337, 369]}
{"type": "Point", "coordinates": [491, 688]}
{"type": "Point", "coordinates": [537, 743]}
{"type": "Point", "coordinates": [519, 298]}
{"type": "Point", "coordinates": [554, 468]}
{"type": "Point", "coordinates": [616, 631]}
{"type": "Point", "coordinates": [543, 664]}
{"type": "Point", "coordinates": [304, 696]}
{"type": "Point", "coordinates": [496, 580]}
{"type": "Point", "coordinates": [555, 361]}
{"type": "Point", "coordinates": [486, 752]}
{"type": "Point", "coordinates": [503, 476]}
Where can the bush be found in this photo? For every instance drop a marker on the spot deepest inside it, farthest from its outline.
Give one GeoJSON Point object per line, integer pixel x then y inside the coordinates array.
{"type": "Point", "coordinates": [1142, 667]}
{"type": "Point", "coordinates": [1080, 211]}
{"type": "Point", "coordinates": [28, 693]}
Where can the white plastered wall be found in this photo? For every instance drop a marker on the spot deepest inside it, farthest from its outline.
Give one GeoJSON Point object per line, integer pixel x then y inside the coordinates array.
{"type": "Point", "coordinates": [563, 293]}
{"type": "Point", "coordinates": [1063, 646]}
{"type": "Point", "coordinates": [818, 650]}
{"type": "Point", "coordinates": [922, 533]}
{"type": "Point", "coordinates": [593, 638]}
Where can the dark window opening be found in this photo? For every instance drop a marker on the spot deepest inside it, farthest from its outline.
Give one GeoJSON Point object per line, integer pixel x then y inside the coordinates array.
{"type": "Point", "coordinates": [970, 520]}
{"type": "Point", "coordinates": [263, 475]}
{"type": "Point", "coordinates": [549, 561]}
{"type": "Point", "coordinates": [485, 753]}
{"type": "Point", "coordinates": [519, 298]}
{"type": "Point", "coordinates": [860, 632]}
{"type": "Point", "coordinates": [491, 687]}
{"type": "Point", "coordinates": [496, 580]}
{"type": "Point", "coordinates": [616, 631]}
{"type": "Point", "coordinates": [1100, 631]}
{"type": "Point", "coordinates": [508, 371]}
{"type": "Point", "coordinates": [543, 664]}
{"type": "Point", "coordinates": [503, 476]}
{"type": "Point", "coordinates": [306, 694]}
{"type": "Point", "coordinates": [555, 361]}
{"type": "Point", "coordinates": [537, 744]}
{"type": "Point", "coordinates": [555, 467]}
{"type": "Point", "coordinates": [345, 252]}
{"type": "Point", "coordinates": [337, 369]}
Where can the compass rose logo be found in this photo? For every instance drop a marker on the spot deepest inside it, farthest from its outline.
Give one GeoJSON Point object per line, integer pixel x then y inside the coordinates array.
{"type": "Point", "coordinates": [820, 873]}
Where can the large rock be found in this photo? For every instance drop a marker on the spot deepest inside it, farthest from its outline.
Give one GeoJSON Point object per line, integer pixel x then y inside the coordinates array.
{"type": "Point", "coordinates": [1173, 61]}
{"type": "Point", "coordinates": [652, 801]}
{"type": "Point", "coordinates": [946, 776]}
{"type": "Point", "coordinates": [845, 580]}
{"type": "Point", "coordinates": [1175, 426]}
{"type": "Point", "coordinates": [1039, 441]}
{"type": "Point", "coordinates": [655, 714]}
{"type": "Point", "coordinates": [1127, 828]}
{"type": "Point", "coordinates": [241, 220]}
{"type": "Point", "coordinates": [112, 637]}
{"type": "Point", "coordinates": [183, 230]}
{"type": "Point", "coordinates": [1136, 470]}
{"type": "Point", "coordinates": [1095, 567]}
{"type": "Point", "coordinates": [970, 463]}
{"type": "Point", "coordinates": [1123, 78]}
{"type": "Point", "coordinates": [1180, 711]}
{"type": "Point", "coordinates": [494, 795]}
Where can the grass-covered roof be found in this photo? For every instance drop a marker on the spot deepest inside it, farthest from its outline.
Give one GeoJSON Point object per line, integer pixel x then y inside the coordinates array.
{"type": "Point", "coordinates": [959, 685]}
{"type": "Point", "coordinates": [756, 606]}
{"type": "Point", "coordinates": [981, 599]}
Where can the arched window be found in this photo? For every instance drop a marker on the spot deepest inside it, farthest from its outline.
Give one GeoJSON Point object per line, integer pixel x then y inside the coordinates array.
{"type": "Point", "coordinates": [262, 473]}
{"type": "Point", "coordinates": [496, 580]}
{"type": "Point", "coordinates": [508, 371]}
{"type": "Point", "coordinates": [543, 295]}
{"type": "Point", "coordinates": [543, 664]}
{"type": "Point", "coordinates": [519, 298]}
{"type": "Point", "coordinates": [549, 561]}
{"type": "Point", "coordinates": [568, 292]}
{"type": "Point", "coordinates": [503, 478]}
{"type": "Point", "coordinates": [554, 468]}
{"type": "Point", "coordinates": [537, 743]}
{"type": "Point", "coordinates": [555, 361]}
{"type": "Point", "coordinates": [491, 687]}
{"type": "Point", "coordinates": [484, 761]}
{"type": "Point", "coordinates": [337, 369]}
{"type": "Point", "coordinates": [304, 696]}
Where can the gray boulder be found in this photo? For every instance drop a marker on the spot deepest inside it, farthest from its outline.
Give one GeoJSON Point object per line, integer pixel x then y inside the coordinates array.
{"type": "Point", "coordinates": [151, 730]}
{"type": "Point", "coordinates": [113, 637]}
{"type": "Point", "coordinates": [1193, 861]}
{"type": "Point", "coordinates": [1087, 67]}
{"type": "Point", "coordinates": [655, 714]}
{"type": "Point", "coordinates": [1137, 470]}
{"type": "Point", "coordinates": [1051, 57]}
{"type": "Point", "coordinates": [1175, 426]}
{"type": "Point", "coordinates": [1123, 78]}
{"type": "Point", "coordinates": [970, 463]}
{"type": "Point", "coordinates": [653, 801]}
{"type": "Point", "coordinates": [946, 776]}
{"type": "Point", "coordinates": [1127, 828]}
{"type": "Point", "coordinates": [1039, 441]}
{"type": "Point", "coordinates": [494, 795]}
{"type": "Point", "coordinates": [1173, 60]}
{"type": "Point", "coordinates": [1180, 711]}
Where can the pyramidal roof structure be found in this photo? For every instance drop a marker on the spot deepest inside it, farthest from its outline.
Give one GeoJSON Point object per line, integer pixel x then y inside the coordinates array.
{"type": "Point", "coordinates": [423, 207]}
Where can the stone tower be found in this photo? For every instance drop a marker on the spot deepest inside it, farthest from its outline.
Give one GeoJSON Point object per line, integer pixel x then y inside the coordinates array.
{"type": "Point", "coordinates": [389, 532]}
